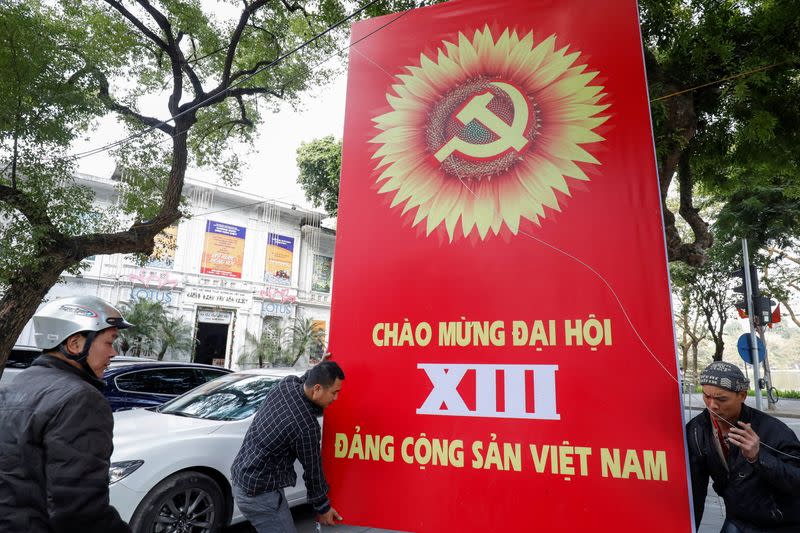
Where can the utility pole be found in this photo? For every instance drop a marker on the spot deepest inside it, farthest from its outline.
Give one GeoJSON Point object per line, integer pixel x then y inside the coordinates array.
{"type": "Point", "coordinates": [748, 282]}
{"type": "Point", "coordinates": [767, 373]}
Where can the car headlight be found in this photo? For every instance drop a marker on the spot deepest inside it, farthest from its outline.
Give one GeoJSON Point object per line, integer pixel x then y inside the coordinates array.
{"type": "Point", "coordinates": [122, 469]}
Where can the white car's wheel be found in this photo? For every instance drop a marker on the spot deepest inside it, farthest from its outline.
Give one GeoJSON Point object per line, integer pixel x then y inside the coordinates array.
{"type": "Point", "coordinates": [186, 502]}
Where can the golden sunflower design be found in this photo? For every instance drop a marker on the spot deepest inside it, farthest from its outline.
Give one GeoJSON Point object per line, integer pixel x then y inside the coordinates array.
{"type": "Point", "coordinates": [486, 132]}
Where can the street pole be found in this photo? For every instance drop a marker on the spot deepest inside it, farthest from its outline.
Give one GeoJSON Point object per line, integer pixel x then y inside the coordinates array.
{"type": "Point", "coordinates": [767, 373]}
{"type": "Point", "coordinates": [750, 310]}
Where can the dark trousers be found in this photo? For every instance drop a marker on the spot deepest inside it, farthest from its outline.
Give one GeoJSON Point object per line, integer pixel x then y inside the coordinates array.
{"type": "Point", "coordinates": [267, 512]}
{"type": "Point", "coordinates": [730, 527]}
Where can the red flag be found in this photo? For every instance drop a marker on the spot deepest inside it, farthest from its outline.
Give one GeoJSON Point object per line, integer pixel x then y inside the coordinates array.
{"type": "Point", "coordinates": [776, 315]}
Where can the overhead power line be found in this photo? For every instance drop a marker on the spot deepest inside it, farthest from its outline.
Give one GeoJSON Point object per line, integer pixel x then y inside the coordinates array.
{"type": "Point", "coordinates": [721, 80]}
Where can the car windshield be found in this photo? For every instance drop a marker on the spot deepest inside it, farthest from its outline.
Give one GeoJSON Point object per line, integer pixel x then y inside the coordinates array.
{"type": "Point", "coordinates": [230, 397]}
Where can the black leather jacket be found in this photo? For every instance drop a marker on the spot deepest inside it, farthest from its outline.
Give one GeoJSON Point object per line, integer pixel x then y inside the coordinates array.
{"type": "Point", "coordinates": [764, 496]}
{"type": "Point", "coordinates": [55, 445]}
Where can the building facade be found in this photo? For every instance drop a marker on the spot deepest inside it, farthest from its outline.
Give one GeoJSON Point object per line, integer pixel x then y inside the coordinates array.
{"type": "Point", "coordinates": [239, 266]}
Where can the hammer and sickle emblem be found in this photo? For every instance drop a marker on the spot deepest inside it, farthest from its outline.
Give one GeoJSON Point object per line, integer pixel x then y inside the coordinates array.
{"type": "Point", "coordinates": [509, 136]}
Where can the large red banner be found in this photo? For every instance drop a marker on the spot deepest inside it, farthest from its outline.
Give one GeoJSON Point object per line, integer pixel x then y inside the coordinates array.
{"type": "Point", "coordinates": [500, 299]}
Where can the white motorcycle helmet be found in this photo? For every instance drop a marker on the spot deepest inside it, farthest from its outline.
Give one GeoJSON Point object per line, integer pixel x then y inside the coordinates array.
{"type": "Point", "coordinates": [60, 319]}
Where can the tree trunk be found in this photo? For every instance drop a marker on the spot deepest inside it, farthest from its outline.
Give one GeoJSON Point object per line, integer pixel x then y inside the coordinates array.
{"type": "Point", "coordinates": [684, 344]}
{"type": "Point", "coordinates": [21, 300]}
{"type": "Point", "coordinates": [300, 351]}
{"type": "Point", "coordinates": [26, 290]}
{"type": "Point", "coordinates": [161, 353]}
{"type": "Point", "coordinates": [719, 347]}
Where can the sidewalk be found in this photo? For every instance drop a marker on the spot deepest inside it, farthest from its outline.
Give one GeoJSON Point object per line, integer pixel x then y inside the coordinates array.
{"type": "Point", "coordinates": [304, 523]}
{"type": "Point", "coordinates": [303, 515]}
{"type": "Point", "coordinates": [786, 407]}
{"type": "Point", "coordinates": [713, 518]}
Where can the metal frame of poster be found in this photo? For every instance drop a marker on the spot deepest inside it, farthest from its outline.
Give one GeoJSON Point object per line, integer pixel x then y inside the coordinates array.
{"type": "Point", "coordinates": [501, 303]}
{"type": "Point", "coordinates": [223, 250]}
{"type": "Point", "coordinates": [280, 256]}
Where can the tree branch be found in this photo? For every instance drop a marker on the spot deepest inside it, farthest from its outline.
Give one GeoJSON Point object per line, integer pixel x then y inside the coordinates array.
{"type": "Point", "coordinates": [113, 105]}
{"type": "Point", "coordinates": [236, 37]}
{"type": "Point", "coordinates": [141, 26]}
{"type": "Point", "coordinates": [167, 46]}
{"type": "Point", "coordinates": [791, 312]}
{"type": "Point", "coordinates": [186, 67]}
{"type": "Point", "coordinates": [220, 93]}
{"type": "Point", "coordinates": [139, 238]}
{"type": "Point", "coordinates": [294, 7]}
{"type": "Point", "coordinates": [198, 59]}
{"type": "Point", "coordinates": [245, 121]}
{"type": "Point", "coordinates": [174, 52]}
{"type": "Point", "coordinates": [247, 72]}
{"type": "Point", "coordinates": [35, 215]}
{"type": "Point", "coordinates": [249, 91]}
{"type": "Point", "coordinates": [162, 21]}
{"type": "Point", "coordinates": [783, 254]}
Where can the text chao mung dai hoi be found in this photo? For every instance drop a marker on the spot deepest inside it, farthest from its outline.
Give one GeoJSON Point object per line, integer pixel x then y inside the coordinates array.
{"type": "Point", "coordinates": [565, 460]}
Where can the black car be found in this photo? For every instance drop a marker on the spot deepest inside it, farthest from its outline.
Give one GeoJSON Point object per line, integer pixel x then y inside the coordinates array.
{"type": "Point", "coordinates": [134, 382]}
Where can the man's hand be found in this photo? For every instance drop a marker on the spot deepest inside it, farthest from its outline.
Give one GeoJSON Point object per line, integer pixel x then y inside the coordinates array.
{"type": "Point", "coordinates": [746, 439]}
{"type": "Point", "coordinates": [329, 518]}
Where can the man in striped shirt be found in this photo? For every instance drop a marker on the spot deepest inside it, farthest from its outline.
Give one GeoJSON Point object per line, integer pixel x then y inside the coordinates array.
{"type": "Point", "coordinates": [286, 429]}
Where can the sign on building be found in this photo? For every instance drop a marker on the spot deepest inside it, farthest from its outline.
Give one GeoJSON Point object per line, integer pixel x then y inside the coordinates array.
{"type": "Point", "coordinates": [209, 316]}
{"type": "Point", "coordinates": [213, 297]}
{"type": "Point", "coordinates": [507, 368]}
{"type": "Point", "coordinates": [280, 254]}
{"type": "Point", "coordinates": [280, 309]}
{"type": "Point", "coordinates": [223, 250]}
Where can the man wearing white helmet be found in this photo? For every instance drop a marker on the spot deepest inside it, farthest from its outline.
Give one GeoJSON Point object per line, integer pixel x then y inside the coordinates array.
{"type": "Point", "coordinates": [56, 427]}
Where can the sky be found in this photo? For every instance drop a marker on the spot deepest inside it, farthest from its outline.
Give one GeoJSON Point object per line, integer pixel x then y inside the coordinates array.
{"type": "Point", "coordinates": [271, 169]}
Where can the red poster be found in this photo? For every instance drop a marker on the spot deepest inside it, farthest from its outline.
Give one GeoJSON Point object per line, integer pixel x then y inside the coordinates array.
{"type": "Point", "coordinates": [501, 300]}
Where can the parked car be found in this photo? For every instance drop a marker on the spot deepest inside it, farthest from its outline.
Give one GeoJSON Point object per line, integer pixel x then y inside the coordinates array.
{"type": "Point", "coordinates": [171, 464]}
{"type": "Point", "coordinates": [139, 382]}
{"type": "Point", "coordinates": [18, 360]}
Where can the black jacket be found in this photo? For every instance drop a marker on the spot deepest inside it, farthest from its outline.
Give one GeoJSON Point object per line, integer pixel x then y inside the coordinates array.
{"type": "Point", "coordinates": [55, 444]}
{"type": "Point", "coordinates": [764, 496]}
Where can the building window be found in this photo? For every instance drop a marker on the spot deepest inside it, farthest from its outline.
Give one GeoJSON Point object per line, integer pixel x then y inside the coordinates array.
{"type": "Point", "coordinates": [321, 274]}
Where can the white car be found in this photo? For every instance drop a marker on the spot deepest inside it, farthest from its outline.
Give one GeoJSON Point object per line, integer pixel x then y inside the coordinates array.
{"type": "Point", "coordinates": [170, 471]}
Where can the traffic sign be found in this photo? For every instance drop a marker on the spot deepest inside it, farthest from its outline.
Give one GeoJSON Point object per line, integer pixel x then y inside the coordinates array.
{"type": "Point", "coordinates": [743, 344]}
